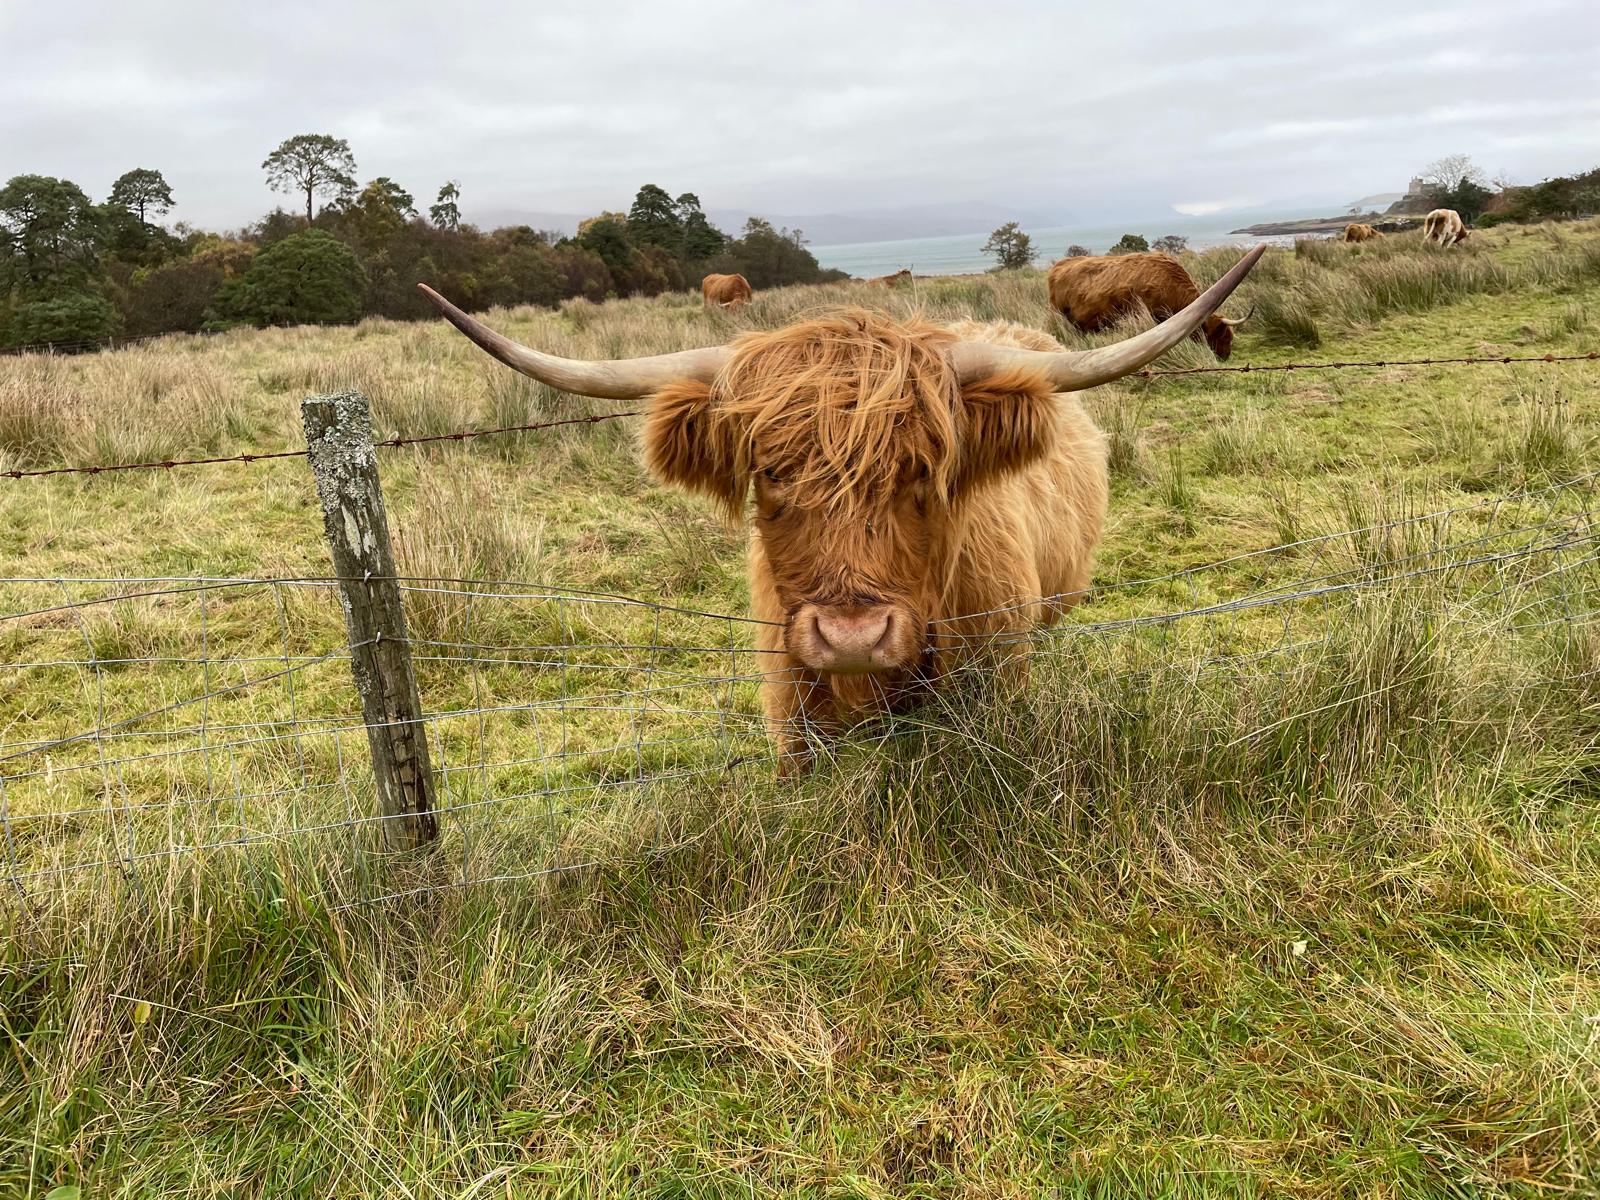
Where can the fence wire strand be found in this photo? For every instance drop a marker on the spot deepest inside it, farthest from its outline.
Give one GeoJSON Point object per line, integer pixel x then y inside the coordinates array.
{"type": "Point", "coordinates": [169, 718]}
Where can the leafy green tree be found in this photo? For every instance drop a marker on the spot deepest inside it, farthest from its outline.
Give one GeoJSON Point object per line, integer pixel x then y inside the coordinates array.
{"type": "Point", "coordinates": [770, 257]}
{"type": "Point", "coordinates": [700, 239]}
{"type": "Point", "coordinates": [73, 320]}
{"type": "Point", "coordinates": [313, 163]}
{"type": "Point", "coordinates": [274, 227]}
{"type": "Point", "coordinates": [1467, 198]}
{"type": "Point", "coordinates": [380, 212]}
{"type": "Point", "coordinates": [1170, 243]}
{"type": "Point", "coordinates": [445, 212]}
{"type": "Point", "coordinates": [606, 237]}
{"type": "Point", "coordinates": [310, 277]}
{"type": "Point", "coordinates": [1130, 243]}
{"type": "Point", "coordinates": [52, 232]}
{"type": "Point", "coordinates": [142, 191]}
{"type": "Point", "coordinates": [1076, 251]}
{"type": "Point", "coordinates": [653, 219]}
{"type": "Point", "coordinates": [524, 269]}
{"type": "Point", "coordinates": [132, 242]}
{"type": "Point", "coordinates": [1562, 196]}
{"type": "Point", "coordinates": [1011, 248]}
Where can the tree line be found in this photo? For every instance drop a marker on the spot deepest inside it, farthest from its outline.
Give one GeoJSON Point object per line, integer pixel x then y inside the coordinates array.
{"type": "Point", "coordinates": [74, 272]}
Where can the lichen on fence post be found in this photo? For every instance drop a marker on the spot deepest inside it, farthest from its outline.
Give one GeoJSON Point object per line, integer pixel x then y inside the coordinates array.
{"type": "Point", "coordinates": [339, 444]}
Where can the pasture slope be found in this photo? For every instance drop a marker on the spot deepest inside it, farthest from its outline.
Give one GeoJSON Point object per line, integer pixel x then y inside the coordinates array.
{"type": "Point", "coordinates": [1223, 908]}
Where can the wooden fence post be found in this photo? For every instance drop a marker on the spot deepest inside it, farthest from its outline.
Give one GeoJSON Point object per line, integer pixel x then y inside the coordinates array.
{"type": "Point", "coordinates": [339, 445]}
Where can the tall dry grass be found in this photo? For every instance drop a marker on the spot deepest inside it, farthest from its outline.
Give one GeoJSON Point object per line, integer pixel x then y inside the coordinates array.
{"type": "Point", "coordinates": [136, 405]}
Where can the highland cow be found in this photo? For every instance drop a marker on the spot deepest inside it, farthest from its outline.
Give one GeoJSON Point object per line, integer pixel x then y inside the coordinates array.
{"type": "Point", "coordinates": [1444, 227]}
{"type": "Point", "coordinates": [1094, 293]}
{"type": "Point", "coordinates": [923, 495]}
{"type": "Point", "coordinates": [725, 291]}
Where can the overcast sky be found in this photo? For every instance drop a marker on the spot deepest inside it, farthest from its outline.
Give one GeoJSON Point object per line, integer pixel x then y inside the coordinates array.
{"type": "Point", "coordinates": [1092, 111]}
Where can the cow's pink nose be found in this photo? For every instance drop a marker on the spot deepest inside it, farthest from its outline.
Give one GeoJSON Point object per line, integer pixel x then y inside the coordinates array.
{"type": "Point", "coordinates": [848, 637]}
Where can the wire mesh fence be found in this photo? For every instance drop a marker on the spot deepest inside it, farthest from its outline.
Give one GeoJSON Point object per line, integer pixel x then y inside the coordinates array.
{"type": "Point", "coordinates": [147, 723]}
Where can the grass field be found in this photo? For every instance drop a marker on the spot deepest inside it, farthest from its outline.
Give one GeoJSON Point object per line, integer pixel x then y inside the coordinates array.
{"type": "Point", "coordinates": [1297, 895]}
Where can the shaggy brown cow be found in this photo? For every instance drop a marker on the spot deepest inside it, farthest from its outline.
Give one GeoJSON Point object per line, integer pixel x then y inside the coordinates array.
{"type": "Point", "coordinates": [901, 276]}
{"type": "Point", "coordinates": [1093, 293]}
{"type": "Point", "coordinates": [1360, 233]}
{"type": "Point", "coordinates": [923, 494]}
{"type": "Point", "coordinates": [1444, 227]}
{"type": "Point", "coordinates": [725, 291]}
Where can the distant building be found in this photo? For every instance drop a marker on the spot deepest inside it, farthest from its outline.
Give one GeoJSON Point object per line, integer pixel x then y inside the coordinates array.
{"type": "Point", "coordinates": [1416, 200]}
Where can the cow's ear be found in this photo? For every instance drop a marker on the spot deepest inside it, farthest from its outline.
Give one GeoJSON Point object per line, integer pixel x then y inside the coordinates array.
{"type": "Point", "coordinates": [686, 443]}
{"type": "Point", "coordinates": [1010, 425]}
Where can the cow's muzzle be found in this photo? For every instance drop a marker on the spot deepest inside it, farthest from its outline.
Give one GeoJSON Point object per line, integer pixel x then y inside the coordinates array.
{"type": "Point", "coordinates": [854, 639]}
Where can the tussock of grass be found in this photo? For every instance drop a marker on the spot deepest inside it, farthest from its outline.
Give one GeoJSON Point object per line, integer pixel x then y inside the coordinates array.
{"type": "Point", "coordinates": [1120, 421]}
{"type": "Point", "coordinates": [1239, 445]}
{"type": "Point", "coordinates": [1543, 441]}
{"type": "Point", "coordinates": [454, 530]}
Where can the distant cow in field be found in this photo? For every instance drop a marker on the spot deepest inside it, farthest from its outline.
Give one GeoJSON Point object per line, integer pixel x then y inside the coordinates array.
{"type": "Point", "coordinates": [1359, 233]}
{"type": "Point", "coordinates": [725, 291]}
{"type": "Point", "coordinates": [1444, 227]}
{"type": "Point", "coordinates": [922, 495]}
{"type": "Point", "coordinates": [901, 276]}
{"type": "Point", "coordinates": [1093, 293]}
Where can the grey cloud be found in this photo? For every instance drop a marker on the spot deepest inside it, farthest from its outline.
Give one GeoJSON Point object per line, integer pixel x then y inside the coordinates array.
{"type": "Point", "coordinates": [831, 106]}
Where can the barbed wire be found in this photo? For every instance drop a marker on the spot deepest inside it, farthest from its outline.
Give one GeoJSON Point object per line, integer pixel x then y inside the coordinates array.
{"type": "Point", "coordinates": [1475, 359]}
{"type": "Point", "coordinates": [595, 418]}
{"type": "Point", "coordinates": [387, 443]}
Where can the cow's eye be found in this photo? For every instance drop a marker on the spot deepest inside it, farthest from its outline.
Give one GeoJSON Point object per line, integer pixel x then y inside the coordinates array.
{"type": "Point", "coordinates": [771, 475]}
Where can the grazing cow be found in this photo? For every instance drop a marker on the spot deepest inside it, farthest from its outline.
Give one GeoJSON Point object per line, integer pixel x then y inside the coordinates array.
{"type": "Point", "coordinates": [1093, 293]}
{"type": "Point", "coordinates": [924, 494]}
{"type": "Point", "coordinates": [725, 291]}
{"type": "Point", "coordinates": [903, 275]}
{"type": "Point", "coordinates": [1359, 233]}
{"type": "Point", "coordinates": [1444, 227]}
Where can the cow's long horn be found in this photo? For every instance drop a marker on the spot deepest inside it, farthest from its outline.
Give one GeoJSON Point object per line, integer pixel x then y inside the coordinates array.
{"type": "Point", "coordinates": [1073, 370]}
{"type": "Point", "coordinates": [1234, 323]}
{"type": "Point", "coordinates": [614, 379]}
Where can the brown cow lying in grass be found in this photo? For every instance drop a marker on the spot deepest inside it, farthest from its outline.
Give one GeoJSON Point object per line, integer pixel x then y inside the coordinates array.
{"type": "Point", "coordinates": [1359, 233]}
{"type": "Point", "coordinates": [921, 492]}
{"type": "Point", "coordinates": [725, 291]}
{"type": "Point", "coordinates": [1094, 293]}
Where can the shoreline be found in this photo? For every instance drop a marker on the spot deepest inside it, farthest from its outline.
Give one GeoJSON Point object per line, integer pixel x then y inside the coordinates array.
{"type": "Point", "coordinates": [1383, 222]}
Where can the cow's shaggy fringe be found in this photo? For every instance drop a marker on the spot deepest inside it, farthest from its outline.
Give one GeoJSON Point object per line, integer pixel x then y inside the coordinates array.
{"type": "Point", "coordinates": [841, 403]}
{"type": "Point", "coordinates": [848, 403]}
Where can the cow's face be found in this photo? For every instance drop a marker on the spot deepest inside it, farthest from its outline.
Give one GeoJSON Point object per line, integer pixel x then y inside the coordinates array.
{"type": "Point", "coordinates": [858, 454]}
{"type": "Point", "coordinates": [1219, 336]}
